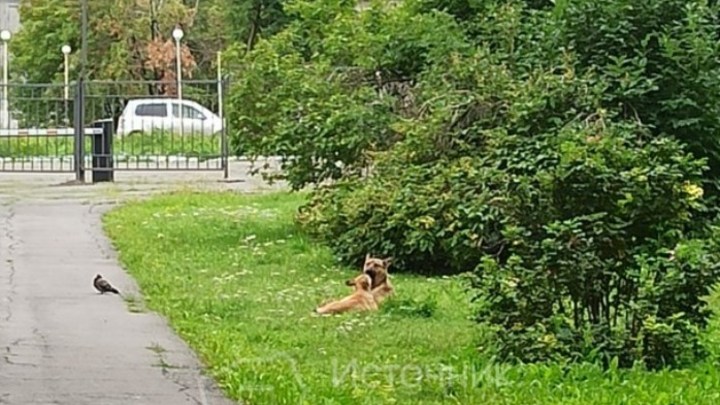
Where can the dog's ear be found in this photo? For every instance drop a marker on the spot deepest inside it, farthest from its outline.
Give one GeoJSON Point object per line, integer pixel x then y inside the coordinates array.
{"type": "Point", "coordinates": [388, 261]}
{"type": "Point", "coordinates": [367, 256]}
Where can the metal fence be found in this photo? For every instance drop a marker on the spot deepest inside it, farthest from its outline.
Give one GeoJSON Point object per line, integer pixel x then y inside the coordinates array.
{"type": "Point", "coordinates": [113, 126]}
{"type": "Point", "coordinates": [37, 132]}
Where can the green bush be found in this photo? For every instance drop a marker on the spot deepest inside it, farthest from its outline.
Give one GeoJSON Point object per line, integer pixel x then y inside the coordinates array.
{"type": "Point", "coordinates": [658, 60]}
{"type": "Point", "coordinates": [328, 89]}
{"type": "Point", "coordinates": [565, 210]}
{"type": "Point", "coordinates": [422, 217]}
{"type": "Point", "coordinates": [587, 270]}
{"type": "Point", "coordinates": [571, 245]}
{"type": "Point", "coordinates": [429, 201]}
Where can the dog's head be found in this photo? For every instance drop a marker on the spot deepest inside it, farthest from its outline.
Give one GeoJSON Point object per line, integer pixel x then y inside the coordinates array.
{"type": "Point", "coordinates": [376, 268]}
{"type": "Point", "coordinates": [363, 282]}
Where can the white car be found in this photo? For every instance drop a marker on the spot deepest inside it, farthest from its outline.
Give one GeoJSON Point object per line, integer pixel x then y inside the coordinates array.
{"type": "Point", "coordinates": [152, 114]}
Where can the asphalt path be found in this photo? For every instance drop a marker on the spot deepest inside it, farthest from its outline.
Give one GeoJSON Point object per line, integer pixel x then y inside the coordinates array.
{"type": "Point", "coordinates": [61, 342]}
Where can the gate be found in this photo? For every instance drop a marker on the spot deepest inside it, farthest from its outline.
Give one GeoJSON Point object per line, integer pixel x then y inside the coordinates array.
{"type": "Point", "coordinates": [104, 127]}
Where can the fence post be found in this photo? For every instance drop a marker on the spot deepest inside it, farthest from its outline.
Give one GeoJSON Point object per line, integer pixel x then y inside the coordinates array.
{"type": "Point", "coordinates": [102, 151]}
{"type": "Point", "coordinates": [79, 126]}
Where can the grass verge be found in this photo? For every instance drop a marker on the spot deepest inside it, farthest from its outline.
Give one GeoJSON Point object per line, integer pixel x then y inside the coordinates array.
{"type": "Point", "coordinates": [238, 282]}
{"type": "Point", "coordinates": [157, 143]}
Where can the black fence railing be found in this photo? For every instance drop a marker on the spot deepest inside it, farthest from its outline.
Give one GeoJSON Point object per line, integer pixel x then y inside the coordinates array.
{"type": "Point", "coordinates": [46, 125]}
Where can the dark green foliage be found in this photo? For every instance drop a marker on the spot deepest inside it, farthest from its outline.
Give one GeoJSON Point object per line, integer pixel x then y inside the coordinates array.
{"type": "Point", "coordinates": [428, 201]}
{"type": "Point", "coordinates": [320, 130]}
{"type": "Point", "coordinates": [588, 270]}
{"type": "Point", "coordinates": [567, 213]}
{"type": "Point", "coordinates": [660, 62]}
{"type": "Point", "coordinates": [254, 19]}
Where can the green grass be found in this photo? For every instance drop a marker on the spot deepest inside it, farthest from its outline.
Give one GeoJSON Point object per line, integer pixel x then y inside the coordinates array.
{"type": "Point", "coordinates": [239, 282]}
{"type": "Point", "coordinates": [148, 144]}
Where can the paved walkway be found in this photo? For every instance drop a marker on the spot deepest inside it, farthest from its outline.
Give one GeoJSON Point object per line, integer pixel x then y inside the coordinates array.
{"type": "Point", "coordinates": [60, 341]}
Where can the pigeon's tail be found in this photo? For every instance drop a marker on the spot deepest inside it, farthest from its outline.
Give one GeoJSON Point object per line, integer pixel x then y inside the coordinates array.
{"type": "Point", "coordinates": [114, 290]}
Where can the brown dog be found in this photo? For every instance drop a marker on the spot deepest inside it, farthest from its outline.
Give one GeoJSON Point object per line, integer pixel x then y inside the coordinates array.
{"type": "Point", "coordinates": [377, 269]}
{"type": "Point", "coordinates": [360, 300]}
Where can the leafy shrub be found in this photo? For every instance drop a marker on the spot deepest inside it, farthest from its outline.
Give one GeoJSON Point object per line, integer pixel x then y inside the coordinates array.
{"type": "Point", "coordinates": [588, 270]}
{"type": "Point", "coordinates": [659, 60]}
{"type": "Point", "coordinates": [565, 210]}
{"type": "Point", "coordinates": [422, 221]}
{"type": "Point", "coordinates": [324, 92]}
{"type": "Point", "coordinates": [572, 246]}
{"type": "Point", "coordinates": [430, 201]}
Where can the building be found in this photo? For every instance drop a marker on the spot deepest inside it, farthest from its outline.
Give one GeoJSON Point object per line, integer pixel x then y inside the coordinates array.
{"type": "Point", "coordinates": [9, 15]}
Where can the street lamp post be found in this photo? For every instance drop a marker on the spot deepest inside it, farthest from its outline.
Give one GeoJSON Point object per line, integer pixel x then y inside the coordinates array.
{"type": "Point", "coordinates": [4, 115]}
{"type": "Point", "coordinates": [66, 53]}
{"type": "Point", "coordinates": [178, 34]}
{"type": "Point", "coordinates": [66, 56]}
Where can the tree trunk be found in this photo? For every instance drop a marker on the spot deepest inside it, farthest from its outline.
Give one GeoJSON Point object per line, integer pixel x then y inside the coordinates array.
{"type": "Point", "coordinates": [254, 25]}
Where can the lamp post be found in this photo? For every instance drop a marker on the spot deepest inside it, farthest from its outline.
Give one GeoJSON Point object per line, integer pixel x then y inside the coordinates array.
{"type": "Point", "coordinates": [4, 116]}
{"type": "Point", "coordinates": [178, 34]}
{"type": "Point", "coordinates": [66, 53]}
{"type": "Point", "coordinates": [66, 65]}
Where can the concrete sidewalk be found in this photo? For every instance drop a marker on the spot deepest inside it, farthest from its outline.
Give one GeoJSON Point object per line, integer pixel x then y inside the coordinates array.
{"type": "Point", "coordinates": [60, 341]}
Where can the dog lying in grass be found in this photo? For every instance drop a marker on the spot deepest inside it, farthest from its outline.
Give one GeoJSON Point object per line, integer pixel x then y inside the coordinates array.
{"type": "Point", "coordinates": [377, 269]}
{"type": "Point", "coordinates": [360, 300]}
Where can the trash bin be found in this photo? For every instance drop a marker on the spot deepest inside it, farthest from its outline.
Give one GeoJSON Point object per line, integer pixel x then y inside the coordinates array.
{"type": "Point", "coordinates": [102, 152]}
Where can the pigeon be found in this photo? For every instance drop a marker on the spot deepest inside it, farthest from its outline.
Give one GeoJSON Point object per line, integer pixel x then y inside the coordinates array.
{"type": "Point", "coordinates": [103, 286]}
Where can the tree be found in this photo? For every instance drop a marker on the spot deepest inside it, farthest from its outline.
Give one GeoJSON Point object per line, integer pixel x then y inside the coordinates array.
{"type": "Point", "coordinates": [128, 39]}
{"type": "Point", "coordinates": [254, 19]}
{"type": "Point", "coordinates": [46, 26]}
{"type": "Point", "coordinates": [324, 92]}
